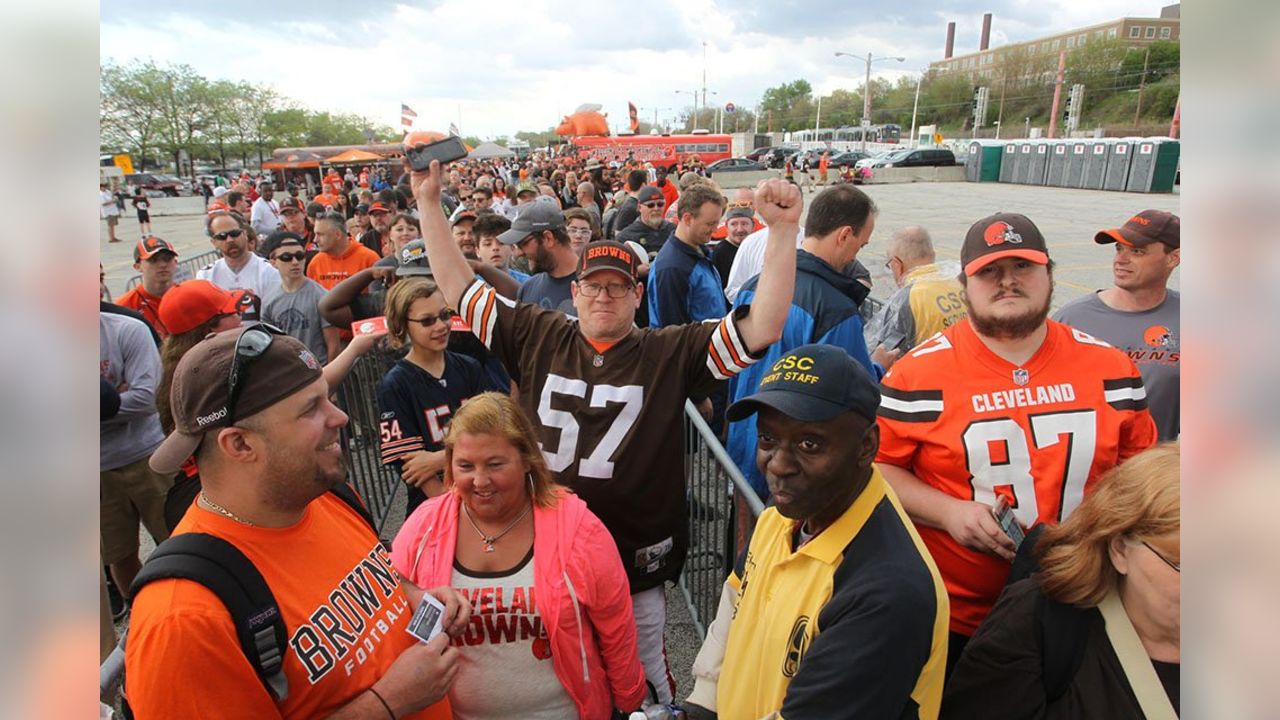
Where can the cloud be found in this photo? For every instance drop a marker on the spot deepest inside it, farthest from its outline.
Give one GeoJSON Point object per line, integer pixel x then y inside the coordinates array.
{"type": "Point", "coordinates": [515, 65]}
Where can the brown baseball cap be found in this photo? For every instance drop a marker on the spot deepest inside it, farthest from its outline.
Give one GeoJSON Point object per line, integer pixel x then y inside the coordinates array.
{"type": "Point", "coordinates": [149, 247]}
{"type": "Point", "coordinates": [201, 394]}
{"type": "Point", "coordinates": [292, 204]}
{"type": "Point", "coordinates": [608, 255]}
{"type": "Point", "coordinates": [999, 236]}
{"type": "Point", "coordinates": [1145, 228]}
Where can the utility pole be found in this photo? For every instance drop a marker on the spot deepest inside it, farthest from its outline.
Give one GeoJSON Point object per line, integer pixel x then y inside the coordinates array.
{"type": "Point", "coordinates": [1142, 83]}
{"type": "Point", "coordinates": [1004, 82]}
{"type": "Point", "coordinates": [817, 121]}
{"type": "Point", "coordinates": [915, 106]}
{"type": "Point", "coordinates": [1057, 95]}
{"type": "Point", "coordinates": [704, 76]}
{"type": "Point", "coordinates": [866, 105]}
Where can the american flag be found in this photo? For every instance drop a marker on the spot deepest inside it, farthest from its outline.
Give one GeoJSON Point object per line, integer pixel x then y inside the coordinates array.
{"type": "Point", "coordinates": [453, 130]}
{"type": "Point", "coordinates": [407, 111]}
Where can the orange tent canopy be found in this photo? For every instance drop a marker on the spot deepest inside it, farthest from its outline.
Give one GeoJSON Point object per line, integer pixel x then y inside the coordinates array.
{"type": "Point", "coordinates": [354, 156]}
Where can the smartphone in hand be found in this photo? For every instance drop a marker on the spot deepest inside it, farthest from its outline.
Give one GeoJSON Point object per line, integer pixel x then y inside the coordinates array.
{"type": "Point", "coordinates": [446, 151]}
{"type": "Point", "coordinates": [1004, 515]}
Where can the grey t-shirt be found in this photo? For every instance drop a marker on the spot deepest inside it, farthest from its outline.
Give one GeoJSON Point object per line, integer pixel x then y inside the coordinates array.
{"type": "Point", "coordinates": [128, 359]}
{"type": "Point", "coordinates": [1152, 339]}
{"type": "Point", "coordinates": [298, 313]}
{"type": "Point", "coordinates": [549, 292]}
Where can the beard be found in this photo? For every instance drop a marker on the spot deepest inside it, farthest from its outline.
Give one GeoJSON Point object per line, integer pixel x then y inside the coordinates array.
{"type": "Point", "coordinates": [297, 480]}
{"type": "Point", "coordinates": [653, 222]}
{"type": "Point", "coordinates": [541, 260]}
{"type": "Point", "coordinates": [1009, 328]}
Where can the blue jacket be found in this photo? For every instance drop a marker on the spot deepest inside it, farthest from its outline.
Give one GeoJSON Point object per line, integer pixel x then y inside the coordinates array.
{"type": "Point", "coordinates": [824, 310]}
{"type": "Point", "coordinates": [683, 286]}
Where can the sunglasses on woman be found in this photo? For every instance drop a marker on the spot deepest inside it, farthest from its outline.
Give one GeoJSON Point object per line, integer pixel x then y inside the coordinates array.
{"type": "Point", "coordinates": [445, 316]}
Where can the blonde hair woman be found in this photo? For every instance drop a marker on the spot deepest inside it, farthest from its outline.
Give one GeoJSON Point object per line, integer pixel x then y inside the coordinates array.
{"type": "Point", "coordinates": [1096, 633]}
{"type": "Point", "coordinates": [551, 633]}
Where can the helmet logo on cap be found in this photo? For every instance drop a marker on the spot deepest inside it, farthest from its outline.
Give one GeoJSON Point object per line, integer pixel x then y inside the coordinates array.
{"type": "Point", "coordinates": [1000, 233]}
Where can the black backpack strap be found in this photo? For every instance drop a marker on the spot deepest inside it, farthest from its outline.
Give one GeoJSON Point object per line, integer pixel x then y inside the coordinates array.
{"type": "Point", "coordinates": [1064, 632]}
{"type": "Point", "coordinates": [226, 572]}
{"type": "Point", "coordinates": [348, 495]}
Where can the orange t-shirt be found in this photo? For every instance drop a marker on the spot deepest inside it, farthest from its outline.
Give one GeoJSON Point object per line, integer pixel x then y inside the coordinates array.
{"type": "Point", "coordinates": [329, 270]}
{"type": "Point", "coordinates": [145, 303]}
{"type": "Point", "coordinates": [344, 609]}
{"type": "Point", "coordinates": [974, 426]}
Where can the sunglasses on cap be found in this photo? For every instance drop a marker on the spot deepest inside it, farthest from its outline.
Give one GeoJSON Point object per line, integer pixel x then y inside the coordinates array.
{"type": "Point", "coordinates": [445, 316]}
{"type": "Point", "coordinates": [228, 234]}
{"type": "Point", "coordinates": [251, 345]}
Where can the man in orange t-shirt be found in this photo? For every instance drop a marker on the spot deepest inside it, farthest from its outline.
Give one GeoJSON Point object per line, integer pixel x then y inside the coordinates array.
{"type": "Point", "coordinates": [157, 261]}
{"type": "Point", "coordinates": [269, 453]}
{"type": "Point", "coordinates": [339, 258]}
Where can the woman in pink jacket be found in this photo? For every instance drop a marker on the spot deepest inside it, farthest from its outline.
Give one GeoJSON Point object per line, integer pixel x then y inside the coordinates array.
{"type": "Point", "coordinates": [551, 632]}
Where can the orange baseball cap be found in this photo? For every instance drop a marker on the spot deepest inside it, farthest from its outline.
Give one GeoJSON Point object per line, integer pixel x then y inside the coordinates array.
{"type": "Point", "coordinates": [148, 247]}
{"type": "Point", "coordinates": [193, 303]}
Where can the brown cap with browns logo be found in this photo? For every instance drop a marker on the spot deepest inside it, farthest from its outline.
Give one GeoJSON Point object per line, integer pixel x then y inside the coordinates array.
{"type": "Point", "coordinates": [1145, 228]}
{"type": "Point", "coordinates": [999, 236]}
{"type": "Point", "coordinates": [608, 255]}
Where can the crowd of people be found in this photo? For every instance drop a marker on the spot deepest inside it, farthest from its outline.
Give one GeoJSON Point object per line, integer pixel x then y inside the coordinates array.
{"type": "Point", "coordinates": [971, 508]}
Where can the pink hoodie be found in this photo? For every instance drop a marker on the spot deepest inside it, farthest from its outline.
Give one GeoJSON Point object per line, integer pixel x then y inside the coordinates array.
{"type": "Point", "coordinates": [581, 593]}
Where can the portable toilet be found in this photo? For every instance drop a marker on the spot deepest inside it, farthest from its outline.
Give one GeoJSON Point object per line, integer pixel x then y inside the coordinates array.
{"type": "Point", "coordinates": [1056, 175]}
{"type": "Point", "coordinates": [1118, 159]}
{"type": "Point", "coordinates": [1095, 164]}
{"type": "Point", "coordinates": [1077, 151]}
{"type": "Point", "coordinates": [1022, 165]}
{"type": "Point", "coordinates": [983, 164]}
{"type": "Point", "coordinates": [1153, 165]}
{"type": "Point", "coordinates": [1008, 162]}
{"type": "Point", "coordinates": [1038, 162]}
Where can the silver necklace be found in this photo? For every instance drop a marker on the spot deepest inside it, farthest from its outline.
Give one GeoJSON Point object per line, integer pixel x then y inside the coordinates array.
{"type": "Point", "coordinates": [221, 510]}
{"type": "Point", "coordinates": [489, 540]}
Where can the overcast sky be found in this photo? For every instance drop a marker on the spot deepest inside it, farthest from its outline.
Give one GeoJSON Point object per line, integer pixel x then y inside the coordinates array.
{"type": "Point", "coordinates": [498, 67]}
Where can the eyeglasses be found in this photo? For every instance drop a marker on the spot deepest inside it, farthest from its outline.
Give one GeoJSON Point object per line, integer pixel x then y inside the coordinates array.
{"type": "Point", "coordinates": [445, 316]}
{"type": "Point", "coordinates": [251, 345]}
{"type": "Point", "coordinates": [579, 231]}
{"type": "Point", "coordinates": [615, 290]}
{"type": "Point", "coordinates": [1176, 567]}
{"type": "Point", "coordinates": [292, 257]}
{"type": "Point", "coordinates": [655, 205]}
{"type": "Point", "coordinates": [228, 234]}
{"type": "Point", "coordinates": [888, 264]}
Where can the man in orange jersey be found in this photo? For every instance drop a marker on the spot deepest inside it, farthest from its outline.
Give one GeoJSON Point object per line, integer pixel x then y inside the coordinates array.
{"type": "Point", "coordinates": [157, 261]}
{"type": "Point", "coordinates": [253, 406]}
{"type": "Point", "coordinates": [339, 257]}
{"type": "Point", "coordinates": [1005, 403]}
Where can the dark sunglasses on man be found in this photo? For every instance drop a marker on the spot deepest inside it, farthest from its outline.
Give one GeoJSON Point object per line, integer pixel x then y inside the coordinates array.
{"type": "Point", "coordinates": [222, 236]}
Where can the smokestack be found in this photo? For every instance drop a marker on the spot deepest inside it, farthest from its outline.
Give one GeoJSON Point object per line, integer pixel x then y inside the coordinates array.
{"type": "Point", "coordinates": [951, 40]}
{"type": "Point", "coordinates": [986, 32]}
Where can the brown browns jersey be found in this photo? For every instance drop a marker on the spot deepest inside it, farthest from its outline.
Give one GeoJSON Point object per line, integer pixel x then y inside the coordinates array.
{"type": "Point", "coordinates": [611, 423]}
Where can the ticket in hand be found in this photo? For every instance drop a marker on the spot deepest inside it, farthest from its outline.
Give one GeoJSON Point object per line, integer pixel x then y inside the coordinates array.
{"type": "Point", "coordinates": [428, 620]}
{"type": "Point", "coordinates": [370, 326]}
{"type": "Point", "coordinates": [1008, 523]}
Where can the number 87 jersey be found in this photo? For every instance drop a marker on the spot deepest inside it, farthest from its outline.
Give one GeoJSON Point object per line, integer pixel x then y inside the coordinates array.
{"type": "Point", "coordinates": [970, 424]}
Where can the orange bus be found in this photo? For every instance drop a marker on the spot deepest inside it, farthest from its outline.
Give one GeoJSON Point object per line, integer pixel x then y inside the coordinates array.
{"type": "Point", "coordinates": [661, 150]}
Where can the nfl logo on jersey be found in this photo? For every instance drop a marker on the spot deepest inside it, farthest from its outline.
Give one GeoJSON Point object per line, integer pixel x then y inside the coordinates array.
{"type": "Point", "coordinates": [1021, 376]}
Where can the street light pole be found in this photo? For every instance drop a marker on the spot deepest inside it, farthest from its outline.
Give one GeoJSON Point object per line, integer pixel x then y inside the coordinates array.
{"type": "Point", "coordinates": [866, 91]}
{"type": "Point", "coordinates": [915, 106]}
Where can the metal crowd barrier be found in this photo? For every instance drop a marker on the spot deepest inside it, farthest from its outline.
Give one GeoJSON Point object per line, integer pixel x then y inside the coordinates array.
{"type": "Point", "coordinates": [722, 511]}
{"type": "Point", "coordinates": [378, 484]}
{"type": "Point", "coordinates": [186, 268]}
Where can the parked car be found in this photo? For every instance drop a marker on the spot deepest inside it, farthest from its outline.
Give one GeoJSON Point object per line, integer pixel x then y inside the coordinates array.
{"type": "Point", "coordinates": [777, 157]}
{"type": "Point", "coordinates": [155, 184]}
{"type": "Point", "coordinates": [733, 165]}
{"type": "Point", "coordinates": [758, 153]}
{"type": "Point", "coordinates": [920, 157]}
{"type": "Point", "coordinates": [848, 158]}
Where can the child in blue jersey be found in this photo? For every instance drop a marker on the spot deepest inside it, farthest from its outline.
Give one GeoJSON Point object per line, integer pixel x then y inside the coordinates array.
{"type": "Point", "coordinates": [420, 393]}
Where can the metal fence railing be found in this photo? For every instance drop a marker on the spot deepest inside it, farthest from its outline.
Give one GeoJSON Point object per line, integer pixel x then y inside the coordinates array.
{"type": "Point", "coordinates": [186, 268]}
{"type": "Point", "coordinates": [722, 511]}
{"type": "Point", "coordinates": [378, 484]}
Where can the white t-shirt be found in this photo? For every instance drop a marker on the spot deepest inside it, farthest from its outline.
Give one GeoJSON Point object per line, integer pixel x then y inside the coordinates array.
{"type": "Point", "coordinates": [750, 260]}
{"type": "Point", "coordinates": [265, 216]}
{"type": "Point", "coordinates": [109, 207]}
{"type": "Point", "coordinates": [257, 275]}
{"type": "Point", "coordinates": [505, 669]}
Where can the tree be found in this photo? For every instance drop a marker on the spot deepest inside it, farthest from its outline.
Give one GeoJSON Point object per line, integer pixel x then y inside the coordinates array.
{"type": "Point", "coordinates": [130, 111]}
{"type": "Point", "coordinates": [184, 110]}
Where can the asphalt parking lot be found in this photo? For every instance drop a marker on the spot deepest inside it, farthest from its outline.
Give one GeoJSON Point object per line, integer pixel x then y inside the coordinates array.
{"type": "Point", "coordinates": [1068, 218]}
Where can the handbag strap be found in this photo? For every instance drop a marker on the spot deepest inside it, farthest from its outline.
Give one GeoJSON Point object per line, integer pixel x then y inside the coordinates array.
{"type": "Point", "coordinates": [1134, 660]}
